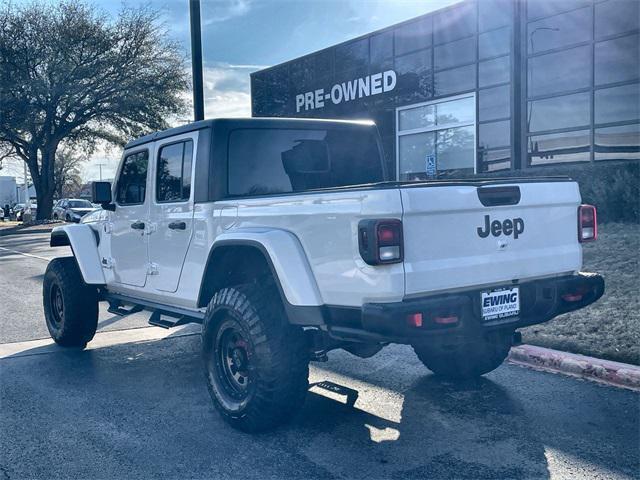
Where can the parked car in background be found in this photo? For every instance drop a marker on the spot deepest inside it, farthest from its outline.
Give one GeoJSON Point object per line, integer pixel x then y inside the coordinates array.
{"type": "Point", "coordinates": [71, 209]}
{"type": "Point", "coordinates": [18, 211]}
{"type": "Point", "coordinates": [2, 214]}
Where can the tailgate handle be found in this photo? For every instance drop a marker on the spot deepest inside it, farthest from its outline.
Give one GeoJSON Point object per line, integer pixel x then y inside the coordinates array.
{"type": "Point", "coordinates": [494, 196]}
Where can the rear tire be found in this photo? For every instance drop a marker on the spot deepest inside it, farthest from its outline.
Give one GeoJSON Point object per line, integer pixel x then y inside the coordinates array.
{"type": "Point", "coordinates": [467, 361]}
{"type": "Point", "coordinates": [256, 363]}
{"type": "Point", "coordinates": [70, 305]}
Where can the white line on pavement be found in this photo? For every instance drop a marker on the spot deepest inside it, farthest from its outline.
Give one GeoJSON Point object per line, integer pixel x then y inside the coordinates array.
{"type": "Point", "coordinates": [25, 254]}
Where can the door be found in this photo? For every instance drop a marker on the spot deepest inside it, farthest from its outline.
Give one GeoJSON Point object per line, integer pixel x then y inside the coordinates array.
{"type": "Point", "coordinates": [436, 139]}
{"type": "Point", "coordinates": [171, 210]}
{"type": "Point", "coordinates": [130, 219]}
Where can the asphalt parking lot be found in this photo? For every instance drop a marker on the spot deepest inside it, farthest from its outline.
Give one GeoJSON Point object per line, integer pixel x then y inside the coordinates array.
{"type": "Point", "coordinates": [134, 404]}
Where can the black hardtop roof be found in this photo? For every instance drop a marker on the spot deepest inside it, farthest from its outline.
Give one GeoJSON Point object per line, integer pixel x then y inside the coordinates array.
{"type": "Point", "coordinates": [260, 122]}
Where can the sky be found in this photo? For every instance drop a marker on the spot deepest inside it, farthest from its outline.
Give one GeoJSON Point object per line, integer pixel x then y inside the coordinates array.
{"type": "Point", "coordinates": [242, 36]}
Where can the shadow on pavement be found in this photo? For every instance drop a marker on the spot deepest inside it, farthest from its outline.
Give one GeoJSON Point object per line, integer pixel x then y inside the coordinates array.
{"type": "Point", "coordinates": [142, 410]}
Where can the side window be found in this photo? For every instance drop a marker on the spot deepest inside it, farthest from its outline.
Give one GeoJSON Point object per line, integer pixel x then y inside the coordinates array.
{"type": "Point", "coordinates": [132, 183]}
{"type": "Point", "coordinates": [173, 173]}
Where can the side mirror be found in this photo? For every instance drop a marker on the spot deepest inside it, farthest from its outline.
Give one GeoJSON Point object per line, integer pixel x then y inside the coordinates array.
{"type": "Point", "coordinates": [101, 193]}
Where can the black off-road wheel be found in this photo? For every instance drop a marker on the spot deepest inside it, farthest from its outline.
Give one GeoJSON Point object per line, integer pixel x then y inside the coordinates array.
{"type": "Point", "coordinates": [70, 305]}
{"type": "Point", "coordinates": [256, 363]}
{"type": "Point", "coordinates": [467, 361]}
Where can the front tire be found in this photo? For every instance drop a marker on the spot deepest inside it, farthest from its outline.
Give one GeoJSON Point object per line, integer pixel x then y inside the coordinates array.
{"type": "Point", "coordinates": [70, 305]}
{"type": "Point", "coordinates": [256, 363]}
{"type": "Point", "coordinates": [467, 361]}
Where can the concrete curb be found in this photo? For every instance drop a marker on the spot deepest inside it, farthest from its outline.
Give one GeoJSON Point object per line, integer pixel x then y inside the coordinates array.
{"type": "Point", "coordinates": [603, 371]}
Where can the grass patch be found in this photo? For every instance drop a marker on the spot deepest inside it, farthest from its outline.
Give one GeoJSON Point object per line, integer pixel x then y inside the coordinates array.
{"type": "Point", "coordinates": [609, 328]}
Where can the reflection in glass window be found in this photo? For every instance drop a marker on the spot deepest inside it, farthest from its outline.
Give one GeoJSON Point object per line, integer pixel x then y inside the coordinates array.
{"type": "Point", "coordinates": [618, 60]}
{"type": "Point", "coordinates": [494, 71]}
{"type": "Point", "coordinates": [559, 31]}
{"type": "Point", "coordinates": [455, 111]}
{"type": "Point", "coordinates": [455, 148]}
{"type": "Point", "coordinates": [494, 103]}
{"type": "Point", "coordinates": [494, 13]}
{"type": "Point", "coordinates": [545, 8]}
{"type": "Point", "coordinates": [173, 173]}
{"type": "Point", "coordinates": [381, 47]}
{"type": "Point", "coordinates": [559, 148]}
{"type": "Point", "coordinates": [414, 62]}
{"type": "Point", "coordinates": [617, 104]}
{"type": "Point", "coordinates": [560, 71]}
{"type": "Point", "coordinates": [455, 53]}
{"type": "Point", "coordinates": [495, 134]}
{"type": "Point", "coordinates": [132, 183]}
{"type": "Point", "coordinates": [616, 16]}
{"type": "Point", "coordinates": [419, 117]}
{"type": "Point", "coordinates": [412, 152]}
{"type": "Point", "coordinates": [352, 55]}
{"type": "Point", "coordinates": [494, 43]}
{"type": "Point", "coordinates": [413, 36]}
{"type": "Point", "coordinates": [323, 63]}
{"type": "Point", "coordinates": [456, 23]}
{"type": "Point", "coordinates": [456, 80]}
{"type": "Point", "coordinates": [618, 143]}
{"type": "Point", "coordinates": [559, 112]}
{"type": "Point", "coordinates": [494, 160]}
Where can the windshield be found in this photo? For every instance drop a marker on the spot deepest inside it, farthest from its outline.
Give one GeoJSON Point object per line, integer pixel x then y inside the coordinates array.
{"type": "Point", "coordinates": [80, 204]}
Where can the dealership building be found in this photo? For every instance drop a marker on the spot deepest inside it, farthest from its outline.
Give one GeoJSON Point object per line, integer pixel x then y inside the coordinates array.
{"type": "Point", "coordinates": [481, 86]}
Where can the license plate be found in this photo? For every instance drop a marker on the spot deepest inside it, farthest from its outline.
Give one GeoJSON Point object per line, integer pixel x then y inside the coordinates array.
{"type": "Point", "coordinates": [500, 303]}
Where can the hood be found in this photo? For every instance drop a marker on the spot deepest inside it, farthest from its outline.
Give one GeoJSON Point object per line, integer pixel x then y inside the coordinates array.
{"type": "Point", "coordinates": [82, 210]}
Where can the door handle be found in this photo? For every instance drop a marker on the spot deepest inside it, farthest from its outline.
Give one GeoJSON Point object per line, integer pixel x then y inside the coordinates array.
{"type": "Point", "coordinates": [178, 226]}
{"type": "Point", "coordinates": [137, 225]}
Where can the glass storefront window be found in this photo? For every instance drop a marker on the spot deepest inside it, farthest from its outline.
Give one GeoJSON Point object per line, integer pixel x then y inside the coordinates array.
{"type": "Point", "coordinates": [381, 46]}
{"type": "Point", "coordinates": [412, 152]}
{"type": "Point", "coordinates": [559, 148]}
{"type": "Point", "coordinates": [413, 36]}
{"type": "Point", "coordinates": [448, 134]}
{"type": "Point", "coordinates": [545, 8]}
{"type": "Point", "coordinates": [494, 71]}
{"type": "Point", "coordinates": [559, 112]}
{"type": "Point", "coordinates": [618, 143]}
{"type": "Point", "coordinates": [495, 134]}
{"type": "Point", "coordinates": [494, 43]}
{"type": "Point", "coordinates": [559, 31]}
{"type": "Point", "coordinates": [455, 148]}
{"type": "Point", "coordinates": [618, 60]}
{"type": "Point", "coordinates": [455, 111]}
{"type": "Point", "coordinates": [419, 117]}
{"type": "Point", "coordinates": [494, 103]}
{"type": "Point", "coordinates": [414, 62]}
{"type": "Point", "coordinates": [494, 13]}
{"type": "Point", "coordinates": [617, 104]}
{"type": "Point", "coordinates": [455, 23]}
{"type": "Point", "coordinates": [616, 16]}
{"type": "Point", "coordinates": [494, 160]}
{"type": "Point", "coordinates": [456, 80]}
{"type": "Point", "coordinates": [559, 72]}
{"type": "Point", "coordinates": [352, 55]}
{"type": "Point", "coordinates": [455, 53]}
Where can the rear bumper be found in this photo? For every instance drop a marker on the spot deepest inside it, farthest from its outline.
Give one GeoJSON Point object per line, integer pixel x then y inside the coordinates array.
{"type": "Point", "coordinates": [540, 301]}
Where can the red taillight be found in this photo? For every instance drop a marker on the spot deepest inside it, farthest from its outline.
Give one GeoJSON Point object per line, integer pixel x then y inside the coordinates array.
{"type": "Point", "coordinates": [445, 319]}
{"type": "Point", "coordinates": [415, 320]}
{"type": "Point", "coordinates": [587, 223]}
{"type": "Point", "coordinates": [380, 241]}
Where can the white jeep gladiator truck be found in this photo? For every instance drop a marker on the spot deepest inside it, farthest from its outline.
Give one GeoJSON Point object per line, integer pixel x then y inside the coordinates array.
{"type": "Point", "coordinates": [286, 240]}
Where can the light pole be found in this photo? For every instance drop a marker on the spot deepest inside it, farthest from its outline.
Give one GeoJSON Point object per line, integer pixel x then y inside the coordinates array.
{"type": "Point", "coordinates": [100, 165]}
{"type": "Point", "coordinates": [196, 60]}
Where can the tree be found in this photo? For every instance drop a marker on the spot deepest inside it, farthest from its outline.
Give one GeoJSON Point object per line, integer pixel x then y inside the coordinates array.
{"type": "Point", "coordinates": [68, 181]}
{"type": "Point", "coordinates": [69, 73]}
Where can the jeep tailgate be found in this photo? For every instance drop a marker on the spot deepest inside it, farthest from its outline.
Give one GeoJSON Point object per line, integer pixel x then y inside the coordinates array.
{"type": "Point", "coordinates": [532, 232]}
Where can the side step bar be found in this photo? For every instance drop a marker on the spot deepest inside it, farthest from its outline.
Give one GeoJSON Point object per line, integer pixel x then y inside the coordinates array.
{"type": "Point", "coordinates": [178, 315]}
{"type": "Point", "coordinates": [165, 320]}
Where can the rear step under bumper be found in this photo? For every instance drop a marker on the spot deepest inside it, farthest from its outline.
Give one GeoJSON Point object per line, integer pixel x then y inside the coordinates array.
{"type": "Point", "coordinates": [540, 301]}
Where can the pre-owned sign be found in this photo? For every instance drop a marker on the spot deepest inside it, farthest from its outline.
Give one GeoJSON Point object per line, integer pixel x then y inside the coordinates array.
{"type": "Point", "coordinates": [347, 91]}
